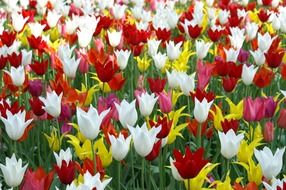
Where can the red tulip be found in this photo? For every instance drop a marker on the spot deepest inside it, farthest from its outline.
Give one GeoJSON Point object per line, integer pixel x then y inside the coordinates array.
{"type": "Point", "coordinates": [37, 106]}
{"type": "Point", "coordinates": [163, 34]}
{"type": "Point", "coordinates": [282, 119]}
{"type": "Point", "coordinates": [104, 23]}
{"type": "Point", "coordinates": [194, 31]}
{"type": "Point", "coordinates": [190, 164]}
{"type": "Point", "coordinates": [8, 38]}
{"type": "Point", "coordinates": [15, 59]}
{"type": "Point", "coordinates": [66, 172]}
{"type": "Point", "coordinates": [40, 68]}
{"type": "Point", "coordinates": [229, 83]}
{"type": "Point", "coordinates": [268, 132]}
{"type": "Point", "coordinates": [37, 180]}
{"type": "Point", "coordinates": [263, 77]}
{"type": "Point", "coordinates": [214, 35]}
{"type": "Point", "coordinates": [3, 61]}
{"type": "Point", "coordinates": [263, 15]}
{"type": "Point", "coordinates": [230, 124]}
{"type": "Point", "coordinates": [249, 186]}
{"type": "Point", "coordinates": [37, 43]}
{"type": "Point", "coordinates": [156, 84]}
{"type": "Point", "coordinates": [35, 87]}
{"type": "Point", "coordinates": [274, 58]}
{"type": "Point", "coordinates": [201, 94]}
{"type": "Point", "coordinates": [165, 126]}
{"type": "Point", "coordinates": [266, 2]}
{"type": "Point", "coordinates": [117, 82]}
{"type": "Point", "coordinates": [105, 71]}
{"type": "Point", "coordinates": [155, 151]}
{"type": "Point", "coordinates": [193, 128]}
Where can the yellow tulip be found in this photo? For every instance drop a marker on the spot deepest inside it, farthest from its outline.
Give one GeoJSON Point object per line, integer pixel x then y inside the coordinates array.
{"type": "Point", "coordinates": [226, 185]}
{"type": "Point", "coordinates": [249, 148]}
{"type": "Point", "coordinates": [175, 96]}
{"type": "Point", "coordinates": [143, 63]}
{"type": "Point", "coordinates": [236, 110]}
{"type": "Point", "coordinates": [54, 140]}
{"type": "Point", "coordinates": [198, 181]}
{"type": "Point", "coordinates": [218, 118]}
{"type": "Point", "coordinates": [82, 150]}
{"type": "Point", "coordinates": [103, 86]}
{"type": "Point", "coordinates": [102, 152]}
{"type": "Point", "coordinates": [90, 92]}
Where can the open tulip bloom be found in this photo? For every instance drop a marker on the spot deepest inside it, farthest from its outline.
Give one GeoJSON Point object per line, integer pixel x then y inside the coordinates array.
{"type": "Point", "coordinates": [142, 94]}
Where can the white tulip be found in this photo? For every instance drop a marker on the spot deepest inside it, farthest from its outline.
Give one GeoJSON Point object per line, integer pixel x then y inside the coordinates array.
{"type": "Point", "coordinates": [143, 138]}
{"type": "Point", "coordinates": [64, 155]}
{"type": "Point", "coordinates": [36, 29]}
{"type": "Point", "coordinates": [231, 54]}
{"type": "Point", "coordinates": [13, 171]}
{"type": "Point", "coordinates": [26, 57]}
{"type": "Point", "coordinates": [18, 21]}
{"type": "Point", "coordinates": [122, 58]}
{"type": "Point", "coordinates": [271, 164]}
{"type": "Point", "coordinates": [52, 103]}
{"type": "Point", "coordinates": [84, 36]}
{"type": "Point", "coordinates": [153, 46]}
{"type": "Point", "coordinates": [160, 60]}
{"type": "Point", "coordinates": [147, 103]}
{"type": "Point", "coordinates": [127, 113]}
{"type": "Point", "coordinates": [114, 38]}
{"type": "Point", "coordinates": [15, 125]}
{"type": "Point", "coordinates": [89, 122]}
{"type": "Point", "coordinates": [259, 57]}
{"type": "Point", "coordinates": [230, 143]}
{"type": "Point", "coordinates": [201, 110]}
{"type": "Point", "coordinates": [173, 51]}
{"type": "Point", "coordinates": [264, 41]}
{"type": "Point", "coordinates": [119, 146]}
{"type": "Point", "coordinates": [248, 73]}
{"type": "Point", "coordinates": [17, 75]}
{"type": "Point", "coordinates": [187, 83]}
{"type": "Point", "coordinates": [237, 37]}
{"type": "Point", "coordinates": [118, 11]}
{"type": "Point", "coordinates": [70, 66]}
{"type": "Point", "coordinates": [53, 18]}
{"type": "Point", "coordinates": [202, 48]}
{"type": "Point", "coordinates": [275, 183]}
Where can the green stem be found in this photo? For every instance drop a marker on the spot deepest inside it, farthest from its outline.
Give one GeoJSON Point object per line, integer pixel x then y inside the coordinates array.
{"type": "Point", "coordinates": [161, 157]}
{"type": "Point", "coordinates": [199, 135]}
{"type": "Point", "coordinates": [119, 175]}
{"type": "Point", "coordinates": [142, 173]}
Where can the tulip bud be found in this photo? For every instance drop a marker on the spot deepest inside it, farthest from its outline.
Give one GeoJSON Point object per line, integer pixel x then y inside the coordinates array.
{"type": "Point", "coordinates": [165, 102]}
{"type": "Point", "coordinates": [282, 119]}
{"type": "Point", "coordinates": [35, 87]}
{"type": "Point", "coordinates": [268, 132]}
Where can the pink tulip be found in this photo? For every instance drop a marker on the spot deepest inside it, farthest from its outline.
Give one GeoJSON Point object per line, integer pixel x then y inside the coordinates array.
{"type": "Point", "coordinates": [253, 110]}
{"type": "Point", "coordinates": [268, 132]}
{"type": "Point", "coordinates": [165, 102]}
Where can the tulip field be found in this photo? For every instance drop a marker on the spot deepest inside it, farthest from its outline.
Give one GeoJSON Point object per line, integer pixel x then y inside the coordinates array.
{"type": "Point", "coordinates": [142, 94]}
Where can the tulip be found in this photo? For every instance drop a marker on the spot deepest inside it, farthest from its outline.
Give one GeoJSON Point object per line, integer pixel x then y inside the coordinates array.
{"type": "Point", "coordinates": [18, 21]}
{"type": "Point", "coordinates": [66, 172]}
{"type": "Point", "coordinates": [153, 46]}
{"type": "Point", "coordinates": [187, 83]}
{"type": "Point", "coordinates": [13, 171]}
{"type": "Point", "coordinates": [114, 38]}
{"type": "Point", "coordinates": [147, 103]}
{"type": "Point", "coordinates": [251, 30]}
{"type": "Point", "coordinates": [248, 73]}
{"type": "Point", "coordinates": [93, 182]}
{"type": "Point", "coordinates": [282, 119]}
{"type": "Point", "coordinates": [231, 55]}
{"type": "Point", "coordinates": [127, 113]}
{"type": "Point", "coordinates": [268, 132]}
{"type": "Point", "coordinates": [53, 18]}
{"type": "Point", "coordinates": [159, 60]}
{"type": "Point", "coordinates": [36, 29]}
{"type": "Point", "coordinates": [258, 56]}
{"type": "Point", "coordinates": [201, 110]}
{"type": "Point", "coordinates": [37, 106]}
{"type": "Point", "coordinates": [122, 58]}
{"type": "Point", "coordinates": [52, 103]}
{"type": "Point", "coordinates": [165, 102]}
{"type": "Point", "coordinates": [173, 51]}
{"type": "Point", "coordinates": [89, 122]}
{"type": "Point", "coordinates": [70, 66]}
{"type": "Point", "coordinates": [173, 79]}
{"type": "Point", "coordinates": [118, 11]}
{"type": "Point", "coordinates": [202, 48]}
{"type": "Point", "coordinates": [40, 68]}
{"type": "Point", "coordinates": [223, 16]}
{"type": "Point", "coordinates": [237, 37]}
{"type": "Point", "coordinates": [230, 143]}
{"type": "Point", "coordinates": [190, 164]}
{"type": "Point", "coordinates": [271, 164]}
{"type": "Point", "coordinates": [35, 87]}
{"type": "Point", "coordinates": [264, 41]}
{"type": "Point", "coordinates": [84, 36]}
{"type": "Point", "coordinates": [15, 124]}
{"type": "Point", "coordinates": [253, 110]}
{"type": "Point", "coordinates": [156, 85]}
{"type": "Point", "coordinates": [37, 180]}
{"type": "Point", "coordinates": [276, 184]}
{"type": "Point", "coordinates": [17, 75]}
{"type": "Point", "coordinates": [119, 146]}
{"type": "Point", "coordinates": [26, 57]}
{"type": "Point", "coordinates": [143, 138]}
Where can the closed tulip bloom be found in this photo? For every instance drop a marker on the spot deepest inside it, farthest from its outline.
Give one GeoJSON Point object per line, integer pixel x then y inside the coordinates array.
{"type": "Point", "coordinates": [114, 38]}
{"type": "Point", "coordinates": [268, 132]}
{"type": "Point", "coordinates": [26, 57]}
{"type": "Point", "coordinates": [173, 50]}
{"type": "Point", "coordinates": [251, 30]}
{"type": "Point", "coordinates": [202, 48]}
{"type": "Point", "coordinates": [153, 46]}
{"type": "Point", "coordinates": [119, 146]}
{"type": "Point", "coordinates": [147, 103]}
{"type": "Point", "coordinates": [187, 83]}
{"type": "Point", "coordinates": [70, 66]}
{"type": "Point", "coordinates": [165, 102]}
{"type": "Point", "coordinates": [18, 21]}
{"type": "Point", "coordinates": [230, 143]}
{"type": "Point", "coordinates": [282, 119]}
{"type": "Point", "coordinates": [201, 110]}
{"type": "Point", "coordinates": [52, 103]}
{"type": "Point", "coordinates": [160, 60]}
{"type": "Point", "coordinates": [89, 122]}
{"type": "Point", "coordinates": [248, 73]}
{"type": "Point", "coordinates": [13, 171]}
{"type": "Point", "coordinates": [53, 18]}
{"type": "Point", "coordinates": [84, 36]}
{"type": "Point", "coordinates": [253, 109]}
{"type": "Point", "coordinates": [143, 138]}
{"type": "Point", "coordinates": [122, 58]}
{"type": "Point", "coordinates": [271, 164]}
{"type": "Point", "coordinates": [173, 79]}
{"type": "Point", "coordinates": [17, 75]}
{"type": "Point", "coordinates": [127, 113]}
{"type": "Point", "coordinates": [15, 125]}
